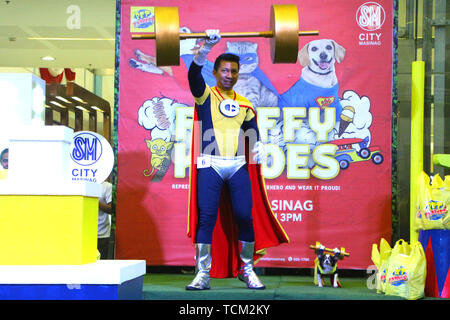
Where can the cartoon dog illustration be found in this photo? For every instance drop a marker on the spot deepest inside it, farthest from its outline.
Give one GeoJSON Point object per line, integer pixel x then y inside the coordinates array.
{"type": "Point", "coordinates": [318, 85]}
{"type": "Point", "coordinates": [318, 58]}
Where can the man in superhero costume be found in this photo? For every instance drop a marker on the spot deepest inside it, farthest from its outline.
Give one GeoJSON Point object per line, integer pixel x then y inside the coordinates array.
{"type": "Point", "coordinates": [230, 219]}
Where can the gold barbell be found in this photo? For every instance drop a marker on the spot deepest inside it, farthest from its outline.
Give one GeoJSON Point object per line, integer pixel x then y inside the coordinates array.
{"type": "Point", "coordinates": [283, 34]}
{"type": "Point", "coordinates": [342, 250]}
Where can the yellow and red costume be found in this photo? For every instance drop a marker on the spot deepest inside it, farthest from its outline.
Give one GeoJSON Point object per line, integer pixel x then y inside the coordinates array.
{"type": "Point", "coordinates": [225, 243]}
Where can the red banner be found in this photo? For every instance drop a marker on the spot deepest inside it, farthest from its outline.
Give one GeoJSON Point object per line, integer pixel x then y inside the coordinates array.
{"type": "Point", "coordinates": [325, 122]}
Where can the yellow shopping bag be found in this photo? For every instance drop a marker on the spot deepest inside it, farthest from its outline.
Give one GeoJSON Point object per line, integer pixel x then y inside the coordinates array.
{"type": "Point", "coordinates": [446, 199]}
{"type": "Point", "coordinates": [438, 207]}
{"type": "Point", "coordinates": [380, 258]}
{"type": "Point", "coordinates": [432, 203]}
{"type": "Point", "coordinates": [407, 272]}
{"type": "Point", "coordinates": [402, 247]}
{"type": "Point", "coordinates": [423, 191]}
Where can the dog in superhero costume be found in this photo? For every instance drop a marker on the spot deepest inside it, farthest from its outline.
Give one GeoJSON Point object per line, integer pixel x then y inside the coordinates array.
{"type": "Point", "coordinates": [326, 264]}
{"type": "Point", "coordinates": [318, 85]}
{"type": "Point", "coordinates": [232, 245]}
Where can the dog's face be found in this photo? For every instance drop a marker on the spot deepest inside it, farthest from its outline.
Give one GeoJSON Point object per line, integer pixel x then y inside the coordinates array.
{"type": "Point", "coordinates": [320, 55]}
{"type": "Point", "coordinates": [327, 261]}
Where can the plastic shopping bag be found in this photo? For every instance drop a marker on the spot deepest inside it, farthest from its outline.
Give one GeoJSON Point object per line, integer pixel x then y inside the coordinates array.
{"type": "Point", "coordinates": [446, 198]}
{"type": "Point", "coordinates": [406, 272]}
{"type": "Point", "coordinates": [423, 192]}
{"type": "Point", "coordinates": [432, 212]}
{"type": "Point", "coordinates": [401, 247]}
{"type": "Point", "coordinates": [381, 258]}
{"type": "Point", "coordinates": [438, 208]}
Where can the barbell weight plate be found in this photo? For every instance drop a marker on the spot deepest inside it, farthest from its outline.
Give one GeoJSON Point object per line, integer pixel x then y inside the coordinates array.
{"type": "Point", "coordinates": [167, 30]}
{"type": "Point", "coordinates": [284, 25]}
{"type": "Point", "coordinates": [284, 33]}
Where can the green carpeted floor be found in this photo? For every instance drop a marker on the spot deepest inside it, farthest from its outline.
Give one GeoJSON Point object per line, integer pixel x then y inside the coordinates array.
{"type": "Point", "coordinates": [278, 287]}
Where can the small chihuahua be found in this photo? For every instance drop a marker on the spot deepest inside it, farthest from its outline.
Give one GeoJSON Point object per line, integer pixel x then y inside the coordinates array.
{"type": "Point", "coordinates": [326, 264]}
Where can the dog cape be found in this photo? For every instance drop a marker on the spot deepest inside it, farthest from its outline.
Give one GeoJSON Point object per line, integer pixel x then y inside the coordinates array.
{"type": "Point", "coordinates": [225, 243]}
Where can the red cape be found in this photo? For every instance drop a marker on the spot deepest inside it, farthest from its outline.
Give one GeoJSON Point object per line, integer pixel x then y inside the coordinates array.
{"type": "Point", "coordinates": [225, 242]}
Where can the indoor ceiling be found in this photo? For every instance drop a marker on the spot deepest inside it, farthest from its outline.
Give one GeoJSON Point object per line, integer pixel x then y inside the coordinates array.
{"type": "Point", "coordinates": [77, 33]}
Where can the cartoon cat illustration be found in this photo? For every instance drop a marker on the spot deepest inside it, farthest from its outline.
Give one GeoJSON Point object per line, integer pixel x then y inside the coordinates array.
{"type": "Point", "coordinates": [252, 83]}
{"type": "Point", "coordinates": [160, 158]}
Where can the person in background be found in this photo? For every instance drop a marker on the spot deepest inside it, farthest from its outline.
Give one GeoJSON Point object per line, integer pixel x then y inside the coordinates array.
{"type": "Point", "coordinates": [104, 225]}
{"type": "Point", "coordinates": [4, 158]}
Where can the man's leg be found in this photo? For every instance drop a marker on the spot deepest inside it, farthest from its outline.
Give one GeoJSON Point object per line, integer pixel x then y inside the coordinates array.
{"type": "Point", "coordinates": [241, 196]}
{"type": "Point", "coordinates": [103, 246]}
{"type": "Point", "coordinates": [208, 196]}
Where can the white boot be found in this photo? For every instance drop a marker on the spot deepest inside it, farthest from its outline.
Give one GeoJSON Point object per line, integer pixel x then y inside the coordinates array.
{"type": "Point", "coordinates": [202, 267]}
{"type": "Point", "coordinates": [247, 274]}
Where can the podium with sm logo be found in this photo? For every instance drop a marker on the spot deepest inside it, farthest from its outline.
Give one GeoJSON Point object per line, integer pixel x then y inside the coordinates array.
{"type": "Point", "coordinates": [48, 234]}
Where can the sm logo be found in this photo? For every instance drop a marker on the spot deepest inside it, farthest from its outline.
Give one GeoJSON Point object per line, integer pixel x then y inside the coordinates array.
{"type": "Point", "coordinates": [370, 16]}
{"type": "Point", "coordinates": [87, 149]}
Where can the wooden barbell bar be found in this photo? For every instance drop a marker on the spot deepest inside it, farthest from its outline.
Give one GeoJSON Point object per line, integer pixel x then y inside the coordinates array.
{"type": "Point", "coordinates": [342, 250]}
{"type": "Point", "coordinates": [243, 34]}
{"type": "Point", "coordinates": [284, 33]}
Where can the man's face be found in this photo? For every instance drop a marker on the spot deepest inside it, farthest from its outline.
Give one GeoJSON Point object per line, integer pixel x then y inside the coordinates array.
{"type": "Point", "coordinates": [5, 161]}
{"type": "Point", "coordinates": [226, 75]}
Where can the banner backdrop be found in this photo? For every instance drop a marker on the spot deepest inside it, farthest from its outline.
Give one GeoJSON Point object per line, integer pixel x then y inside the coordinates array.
{"type": "Point", "coordinates": [327, 134]}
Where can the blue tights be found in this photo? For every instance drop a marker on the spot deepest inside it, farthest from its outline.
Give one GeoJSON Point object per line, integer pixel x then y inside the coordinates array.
{"type": "Point", "coordinates": [208, 196]}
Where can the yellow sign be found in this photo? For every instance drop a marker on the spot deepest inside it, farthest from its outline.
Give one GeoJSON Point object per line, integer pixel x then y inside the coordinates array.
{"type": "Point", "coordinates": [142, 19]}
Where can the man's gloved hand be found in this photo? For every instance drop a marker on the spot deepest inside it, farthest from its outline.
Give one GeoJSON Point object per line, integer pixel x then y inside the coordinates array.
{"type": "Point", "coordinates": [260, 152]}
{"type": "Point", "coordinates": [213, 37]}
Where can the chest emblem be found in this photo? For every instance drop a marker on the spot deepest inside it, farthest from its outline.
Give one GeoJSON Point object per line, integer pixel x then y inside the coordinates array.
{"type": "Point", "coordinates": [229, 108]}
{"type": "Point", "coordinates": [324, 102]}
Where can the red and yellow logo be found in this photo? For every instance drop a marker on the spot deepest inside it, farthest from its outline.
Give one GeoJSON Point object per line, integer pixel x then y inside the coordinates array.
{"type": "Point", "coordinates": [324, 102]}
